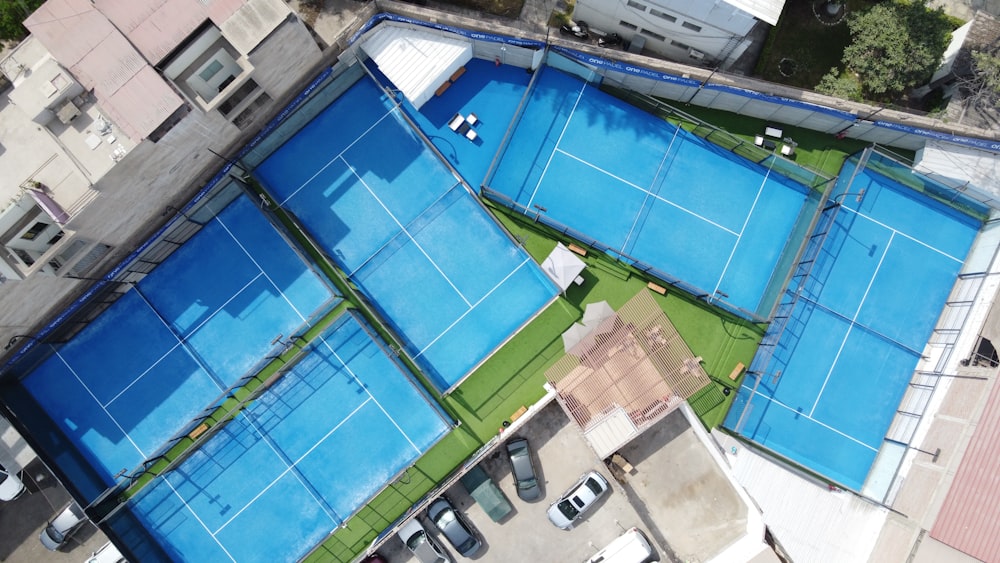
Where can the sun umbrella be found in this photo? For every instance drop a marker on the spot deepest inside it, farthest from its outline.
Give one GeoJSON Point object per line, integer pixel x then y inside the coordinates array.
{"type": "Point", "coordinates": [563, 266]}
{"type": "Point", "coordinates": [572, 337]}
{"type": "Point", "coordinates": [597, 313]}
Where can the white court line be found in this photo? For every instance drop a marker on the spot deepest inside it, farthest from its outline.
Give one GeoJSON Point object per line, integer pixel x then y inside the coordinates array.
{"type": "Point", "coordinates": [288, 468]}
{"type": "Point", "coordinates": [641, 189]}
{"type": "Point", "coordinates": [373, 398]}
{"type": "Point", "coordinates": [809, 417]}
{"type": "Point", "coordinates": [649, 192]}
{"type": "Point", "coordinates": [239, 243]}
{"type": "Point", "coordinates": [335, 157]}
{"type": "Point", "coordinates": [96, 400]}
{"type": "Point", "coordinates": [201, 522]}
{"type": "Point", "coordinates": [404, 230]}
{"type": "Point", "coordinates": [180, 341]}
{"type": "Point", "coordinates": [743, 228]}
{"type": "Point", "coordinates": [556, 148]}
{"type": "Point", "coordinates": [904, 235]}
{"type": "Point", "coordinates": [369, 258]}
{"type": "Point", "coordinates": [473, 307]}
{"type": "Point", "coordinates": [854, 319]}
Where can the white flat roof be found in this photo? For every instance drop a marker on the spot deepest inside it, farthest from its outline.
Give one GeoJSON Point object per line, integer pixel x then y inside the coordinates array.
{"type": "Point", "coordinates": [766, 10]}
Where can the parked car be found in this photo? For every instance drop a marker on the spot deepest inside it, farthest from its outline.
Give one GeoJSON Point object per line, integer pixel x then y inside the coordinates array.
{"type": "Point", "coordinates": [525, 480]}
{"type": "Point", "coordinates": [62, 527]}
{"type": "Point", "coordinates": [454, 527]}
{"type": "Point", "coordinates": [421, 543]}
{"type": "Point", "coordinates": [11, 485]}
{"type": "Point", "coordinates": [565, 511]}
{"type": "Point", "coordinates": [107, 554]}
{"type": "Point", "coordinates": [630, 547]}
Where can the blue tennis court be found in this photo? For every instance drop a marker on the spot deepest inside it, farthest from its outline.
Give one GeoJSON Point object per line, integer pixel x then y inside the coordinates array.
{"type": "Point", "coordinates": [405, 230]}
{"type": "Point", "coordinates": [853, 328]}
{"type": "Point", "coordinates": [300, 460]}
{"type": "Point", "coordinates": [177, 340]}
{"type": "Point", "coordinates": [649, 189]}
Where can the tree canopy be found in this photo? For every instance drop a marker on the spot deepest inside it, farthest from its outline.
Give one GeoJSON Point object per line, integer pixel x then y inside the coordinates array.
{"type": "Point", "coordinates": [895, 46]}
{"type": "Point", "coordinates": [12, 13]}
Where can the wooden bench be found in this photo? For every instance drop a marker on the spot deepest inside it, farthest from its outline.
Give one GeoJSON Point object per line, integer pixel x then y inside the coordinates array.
{"type": "Point", "coordinates": [198, 431]}
{"type": "Point", "coordinates": [518, 413]}
{"type": "Point", "coordinates": [657, 288]}
{"type": "Point", "coordinates": [458, 73]}
{"type": "Point", "coordinates": [737, 371]}
{"type": "Point", "coordinates": [577, 250]}
{"type": "Point", "coordinates": [442, 88]}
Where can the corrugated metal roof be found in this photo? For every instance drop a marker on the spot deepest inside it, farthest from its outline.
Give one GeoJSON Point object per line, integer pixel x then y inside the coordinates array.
{"type": "Point", "coordinates": [127, 88]}
{"type": "Point", "coordinates": [969, 520]}
{"type": "Point", "coordinates": [811, 521]}
{"type": "Point", "coordinates": [416, 61]}
{"type": "Point", "coordinates": [766, 10]}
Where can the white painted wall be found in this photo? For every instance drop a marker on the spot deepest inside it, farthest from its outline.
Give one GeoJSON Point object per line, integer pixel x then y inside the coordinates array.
{"type": "Point", "coordinates": [676, 29]}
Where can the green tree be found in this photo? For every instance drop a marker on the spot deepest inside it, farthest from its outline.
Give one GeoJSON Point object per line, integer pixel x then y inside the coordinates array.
{"type": "Point", "coordinates": [895, 46]}
{"type": "Point", "coordinates": [841, 84]}
{"type": "Point", "coordinates": [12, 13]}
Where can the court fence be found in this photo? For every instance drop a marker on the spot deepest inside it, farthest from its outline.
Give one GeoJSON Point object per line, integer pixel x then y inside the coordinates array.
{"type": "Point", "coordinates": [624, 262]}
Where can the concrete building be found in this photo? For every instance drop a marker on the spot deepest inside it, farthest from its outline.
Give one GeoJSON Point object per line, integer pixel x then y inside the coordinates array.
{"type": "Point", "coordinates": [118, 109]}
{"type": "Point", "coordinates": [713, 34]}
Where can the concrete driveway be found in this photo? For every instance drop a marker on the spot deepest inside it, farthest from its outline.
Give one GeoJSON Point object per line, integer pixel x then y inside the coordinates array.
{"type": "Point", "coordinates": [678, 494]}
{"type": "Point", "coordinates": [561, 456]}
{"type": "Point", "coordinates": [22, 520]}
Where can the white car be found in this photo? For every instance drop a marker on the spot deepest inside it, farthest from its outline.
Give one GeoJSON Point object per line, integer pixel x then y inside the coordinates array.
{"type": "Point", "coordinates": [62, 527]}
{"type": "Point", "coordinates": [421, 543]}
{"type": "Point", "coordinates": [630, 547]}
{"type": "Point", "coordinates": [107, 554]}
{"type": "Point", "coordinates": [578, 499]}
{"type": "Point", "coordinates": [11, 485]}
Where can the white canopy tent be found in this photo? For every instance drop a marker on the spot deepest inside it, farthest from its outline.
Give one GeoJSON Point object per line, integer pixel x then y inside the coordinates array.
{"type": "Point", "coordinates": [417, 61]}
{"type": "Point", "coordinates": [563, 266]}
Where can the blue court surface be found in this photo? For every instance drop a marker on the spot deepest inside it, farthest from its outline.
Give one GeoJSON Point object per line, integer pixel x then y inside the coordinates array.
{"type": "Point", "coordinates": [649, 189]}
{"type": "Point", "coordinates": [405, 230]}
{"type": "Point", "coordinates": [851, 331]}
{"type": "Point", "coordinates": [301, 459]}
{"type": "Point", "coordinates": [178, 340]}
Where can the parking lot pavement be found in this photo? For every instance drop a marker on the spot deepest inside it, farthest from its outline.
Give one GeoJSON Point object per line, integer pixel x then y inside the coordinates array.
{"type": "Point", "coordinates": [22, 520]}
{"type": "Point", "coordinates": [561, 456]}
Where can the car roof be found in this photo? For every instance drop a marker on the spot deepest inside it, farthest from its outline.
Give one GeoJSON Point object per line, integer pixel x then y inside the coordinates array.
{"type": "Point", "coordinates": [407, 530]}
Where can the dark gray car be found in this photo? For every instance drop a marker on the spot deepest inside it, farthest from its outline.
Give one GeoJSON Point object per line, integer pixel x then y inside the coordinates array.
{"type": "Point", "coordinates": [454, 528]}
{"type": "Point", "coordinates": [525, 480]}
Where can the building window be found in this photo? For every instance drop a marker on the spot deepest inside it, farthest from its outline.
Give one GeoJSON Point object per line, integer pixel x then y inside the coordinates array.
{"type": "Point", "coordinates": [652, 34]}
{"type": "Point", "coordinates": [691, 26]}
{"type": "Point", "coordinates": [636, 5]}
{"type": "Point", "coordinates": [627, 25]}
{"type": "Point", "coordinates": [663, 15]}
{"type": "Point", "coordinates": [34, 231]}
{"type": "Point", "coordinates": [680, 45]}
{"type": "Point", "coordinates": [253, 109]}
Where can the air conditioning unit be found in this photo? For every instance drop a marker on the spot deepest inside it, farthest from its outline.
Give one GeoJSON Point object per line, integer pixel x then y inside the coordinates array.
{"type": "Point", "coordinates": [695, 54]}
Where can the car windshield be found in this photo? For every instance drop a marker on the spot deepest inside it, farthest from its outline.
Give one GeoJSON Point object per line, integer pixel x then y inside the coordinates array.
{"type": "Point", "coordinates": [415, 540]}
{"type": "Point", "coordinates": [444, 518]}
{"type": "Point", "coordinates": [568, 510]}
{"type": "Point", "coordinates": [594, 486]}
{"type": "Point", "coordinates": [54, 534]}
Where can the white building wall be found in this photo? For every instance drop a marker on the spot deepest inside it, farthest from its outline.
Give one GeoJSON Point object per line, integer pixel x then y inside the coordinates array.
{"type": "Point", "coordinates": [676, 29]}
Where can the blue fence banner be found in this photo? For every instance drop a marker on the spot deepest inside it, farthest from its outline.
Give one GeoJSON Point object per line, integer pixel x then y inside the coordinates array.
{"type": "Point", "coordinates": [475, 35]}
{"type": "Point", "coordinates": [983, 144]}
{"type": "Point", "coordinates": [787, 102]}
{"type": "Point", "coordinates": [624, 68]}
